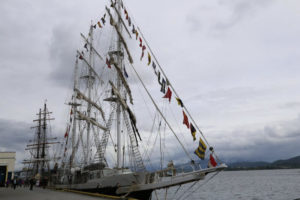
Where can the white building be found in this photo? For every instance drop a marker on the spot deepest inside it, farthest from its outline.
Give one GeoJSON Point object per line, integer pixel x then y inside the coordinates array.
{"type": "Point", "coordinates": [7, 166]}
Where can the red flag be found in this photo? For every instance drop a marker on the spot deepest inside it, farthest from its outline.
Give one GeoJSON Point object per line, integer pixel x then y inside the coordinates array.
{"type": "Point", "coordinates": [168, 94]}
{"type": "Point", "coordinates": [108, 63]}
{"type": "Point", "coordinates": [186, 120]}
{"type": "Point", "coordinates": [141, 42]}
{"type": "Point", "coordinates": [80, 57]}
{"type": "Point", "coordinates": [126, 13]}
{"type": "Point", "coordinates": [71, 113]}
{"type": "Point", "coordinates": [143, 48]}
{"type": "Point", "coordinates": [212, 162]}
{"type": "Point", "coordinates": [66, 134]}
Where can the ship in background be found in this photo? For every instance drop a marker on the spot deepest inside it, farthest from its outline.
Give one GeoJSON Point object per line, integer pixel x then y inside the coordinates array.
{"type": "Point", "coordinates": [40, 159]}
{"type": "Point", "coordinates": [123, 125]}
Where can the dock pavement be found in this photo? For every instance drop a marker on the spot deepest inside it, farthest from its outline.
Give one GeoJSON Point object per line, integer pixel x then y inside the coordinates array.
{"type": "Point", "coordinates": [45, 194]}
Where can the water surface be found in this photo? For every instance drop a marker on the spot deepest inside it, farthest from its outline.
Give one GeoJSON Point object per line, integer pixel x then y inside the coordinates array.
{"type": "Point", "coordinates": [241, 185]}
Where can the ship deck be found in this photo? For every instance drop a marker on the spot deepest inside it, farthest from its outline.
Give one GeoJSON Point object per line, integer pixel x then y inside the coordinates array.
{"type": "Point", "coordinates": [48, 194]}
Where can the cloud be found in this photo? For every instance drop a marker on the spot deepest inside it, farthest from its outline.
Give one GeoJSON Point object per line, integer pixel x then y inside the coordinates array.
{"type": "Point", "coordinates": [237, 11]}
{"type": "Point", "coordinates": [275, 141]}
{"type": "Point", "coordinates": [62, 54]}
{"type": "Point", "coordinates": [242, 86]}
{"type": "Point", "coordinates": [269, 143]}
{"type": "Point", "coordinates": [221, 15]}
{"type": "Point", "coordinates": [14, 137]}
{"type": "Point", "coordinates": [290, 105]}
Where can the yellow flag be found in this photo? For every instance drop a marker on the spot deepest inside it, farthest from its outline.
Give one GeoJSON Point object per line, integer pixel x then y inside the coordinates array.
{"type": "Point", "coordinates": [149, 58]}
{"type": "Point", "coordinates": [179, 102]}
{"type": "Point", "coordinates": [136, 34]}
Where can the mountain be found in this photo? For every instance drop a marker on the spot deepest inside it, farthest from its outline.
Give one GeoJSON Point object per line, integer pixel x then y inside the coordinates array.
{"type": "Point", "coordinates": [278, 164]}
{"type": "Point", "coordinates": [292, 163]}
{"type": "Point", "coordinates": [248, 164]}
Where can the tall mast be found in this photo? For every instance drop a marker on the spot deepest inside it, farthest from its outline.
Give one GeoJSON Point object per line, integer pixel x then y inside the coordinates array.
{"type": "Point", "coordinates": [74, 109]}
{"type": "Point", "coordinates": [120, 61]}
{"type": "Point", "coordinates": [89, 84]}
{"type": "Point", "coordinates": [38, 141]}
{"type": "Point", "coordinates": [44, 140]}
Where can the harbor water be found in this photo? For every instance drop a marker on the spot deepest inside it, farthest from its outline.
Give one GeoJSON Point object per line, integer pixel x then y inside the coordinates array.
{"type": "Point", "coordinates": [228, 185]}
{"type": "Point", "coordinates": [240, 185]}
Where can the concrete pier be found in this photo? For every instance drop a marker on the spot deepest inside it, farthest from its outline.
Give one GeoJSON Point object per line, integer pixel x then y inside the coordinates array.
{"type": "Point", "coordinates": [43, 194]}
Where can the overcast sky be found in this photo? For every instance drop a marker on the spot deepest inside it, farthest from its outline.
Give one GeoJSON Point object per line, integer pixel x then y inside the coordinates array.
{"type": "Point", "coordinates": [235, 63]}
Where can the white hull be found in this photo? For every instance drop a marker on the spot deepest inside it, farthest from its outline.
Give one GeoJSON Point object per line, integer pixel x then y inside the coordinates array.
{"type": "Point", "coordinates": [141, 181]}
{"type": "Point", "coordinates": [164, 182]}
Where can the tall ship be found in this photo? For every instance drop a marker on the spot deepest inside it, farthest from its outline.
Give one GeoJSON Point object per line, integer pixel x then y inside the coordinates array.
{"type": "Point", "coordinates": [40, 158]}
{"type": "Point", "coordinates": [127, 127]}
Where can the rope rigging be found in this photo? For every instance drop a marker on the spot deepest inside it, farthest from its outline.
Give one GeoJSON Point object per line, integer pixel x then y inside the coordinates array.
{"type": "Point", "coordinates": [157, 108]}
{"type": "Point", "coordinates": [106, 103]}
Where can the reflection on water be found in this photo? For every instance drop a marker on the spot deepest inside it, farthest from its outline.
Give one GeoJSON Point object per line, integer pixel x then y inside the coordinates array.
{"type": "Point", "coordinates": [242, 185]}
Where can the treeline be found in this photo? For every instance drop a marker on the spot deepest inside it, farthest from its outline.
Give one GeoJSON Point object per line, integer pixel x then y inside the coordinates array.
{"type": "Point", "coordinates": [290, 163]}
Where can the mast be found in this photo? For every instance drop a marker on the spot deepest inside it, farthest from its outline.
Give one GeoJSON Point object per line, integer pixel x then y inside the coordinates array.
{"type": "Point", "coordinates": [74, 109]}
{"type": "Point", "coordinates": [120, 62]}
{"type": "Point", "coordinates": [89, 84]}
{"type": "Point", "coordinates": [38, 141]}
{"type": "Point", "coordinates": [44, 139]}
{"type": "Point", "coordinates": [39, 145]}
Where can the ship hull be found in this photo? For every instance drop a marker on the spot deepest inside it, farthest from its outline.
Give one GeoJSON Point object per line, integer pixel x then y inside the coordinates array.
{"type": "Point", "coordinates": [111, 191]}
{"type": "Point", "coordinates": [145, 194]}
{"type": "Point", "coordinates": [138, 185]}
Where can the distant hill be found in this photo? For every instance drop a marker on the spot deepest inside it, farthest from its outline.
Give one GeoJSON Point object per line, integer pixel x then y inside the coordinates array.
{"type": "Point", "coordinates": [289, 163]}
{"type": "Point", "coordinates": [249, 164]}
{"type": "Point", "coordinates": [278, 164]}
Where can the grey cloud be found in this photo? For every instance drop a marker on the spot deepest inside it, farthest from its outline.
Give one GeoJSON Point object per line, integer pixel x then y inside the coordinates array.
{"type": "Point", "coordinates": [25, 66]}
{"type": "Point", "coordinates": [13, 134]}
{"type": "Point", "coordinates": [290, 105]}
{"type": "Point", "coordinates": [14, 137]}
{"type": "Point", "coordinates": [229, 93]}
{"type": "Point", "coordinates": [62, 54]}
{"type": "Point", "coordinates": [239, 9]}
{"type": "Point", "coordinates": [195, 23]}
{"type": "Point", "coordinates": [277, 141]}
{"type": "Point", "coordinates": [228, 14]}
{"type": "Point", "coordinates": [234, 98]}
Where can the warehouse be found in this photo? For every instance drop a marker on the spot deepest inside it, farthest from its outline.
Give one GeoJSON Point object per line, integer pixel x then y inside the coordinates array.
{"type": "Point", "coordinates": [7, 166]}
